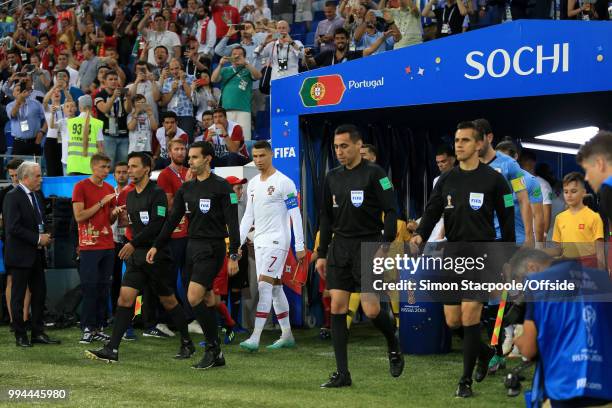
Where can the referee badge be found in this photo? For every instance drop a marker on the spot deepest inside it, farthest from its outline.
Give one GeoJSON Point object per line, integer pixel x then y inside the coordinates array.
{"type": "Point", "coordinates": [204, 205]}
{"type": "Point", "coordinates": [476, 200]}
{"type": "Point", "coordinates": [144, 217]}
{"type": "Point", "coordinates": [357, 197]}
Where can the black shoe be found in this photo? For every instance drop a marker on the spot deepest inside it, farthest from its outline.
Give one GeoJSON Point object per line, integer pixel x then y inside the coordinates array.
{"type": "Point", "coordinates": [186, 351]}
{"type": "Point", "coordinates": [464, 390]}
{"type": "Point", "coordinates": [103, 354]}
{"type": "Point", "coordinates": [337, 380]}
{"type": "Point", "coordinates": [396, 363]}
{"type": "Point", "coordinates": [23, 341]}
{"type": "Point", "coordinates": [42, 338]}
{"type": "Point", "coordinates": [482, 366]}
{"type": "Point", "coordinates": [213, 357]}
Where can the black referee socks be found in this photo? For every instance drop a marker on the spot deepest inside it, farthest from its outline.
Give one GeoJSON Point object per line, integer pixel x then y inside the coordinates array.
{"type": "Point", "coordinates": [208, 320]}
{"type": "Point", "coordinates": [386, 325]}
{"type": "Point", "coordinates": [123, 318]}
{"type": "Point", "coordinates": [178, 318]}
{"type": "Point", "coordinates": [340, 341]}
{"type": "Point", "coordinates": [472, 346]}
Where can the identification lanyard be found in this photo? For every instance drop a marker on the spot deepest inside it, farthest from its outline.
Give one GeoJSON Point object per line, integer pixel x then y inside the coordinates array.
{"type": "Point", "coordinates": [444, 19]}
{"type": "Point", "coordinates": [177, 174]}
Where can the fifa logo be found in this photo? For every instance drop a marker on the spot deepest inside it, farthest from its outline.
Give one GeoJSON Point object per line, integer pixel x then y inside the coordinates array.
{"type": "Point", "coordinates": [589, 315]}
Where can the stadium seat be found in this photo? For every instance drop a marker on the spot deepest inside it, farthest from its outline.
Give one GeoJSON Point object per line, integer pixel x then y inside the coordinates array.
{"type": "Point", "coordinates": [298, 29]}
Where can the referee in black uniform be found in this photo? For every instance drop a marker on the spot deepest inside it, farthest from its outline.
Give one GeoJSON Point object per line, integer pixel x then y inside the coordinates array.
{"type": "Point", "coordinates": [146, 208]}
{"type": "Point", "coordinates": [355, 196]}
{"type": "Point", "coordinates": [211, 207]}
{"type": "Point", "coordinates": [468, 196]}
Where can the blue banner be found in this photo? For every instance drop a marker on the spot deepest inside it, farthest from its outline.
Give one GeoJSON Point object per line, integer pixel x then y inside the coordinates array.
{"type": "Point", "coordinates": [518, 59]}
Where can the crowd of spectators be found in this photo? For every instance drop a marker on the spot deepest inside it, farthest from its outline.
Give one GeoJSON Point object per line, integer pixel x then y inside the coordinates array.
{"type": "Point", "coordinates": [156, 70]}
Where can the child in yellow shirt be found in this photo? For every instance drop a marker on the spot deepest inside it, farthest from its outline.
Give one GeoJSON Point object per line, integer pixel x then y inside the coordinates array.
{"type": "Point", "coordinates": [578, 230]}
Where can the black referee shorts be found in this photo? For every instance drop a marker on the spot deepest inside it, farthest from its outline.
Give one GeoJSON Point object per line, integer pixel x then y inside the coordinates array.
{"type": "Point", "coordinates": [344, 263]}
{"type": "Point", "coordinates": [139, 272]}
{"type": "Point", "coordinates": [204, 260]}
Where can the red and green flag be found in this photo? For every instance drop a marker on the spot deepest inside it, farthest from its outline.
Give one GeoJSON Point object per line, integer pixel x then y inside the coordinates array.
{"type": "Point", "coordinates": [322, 90]}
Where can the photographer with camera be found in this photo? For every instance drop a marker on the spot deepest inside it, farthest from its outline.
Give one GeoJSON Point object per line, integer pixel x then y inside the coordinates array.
{"type": "Point", "coordinates": [176, 95]}
{"type": "Point", "coordinates": [373, 28]}
{"type": "Point", "coordinates": [141, 124]}
{"type": "Point", "coordinates": [113, 107]}
{"type": "Point", "coordinates": [145, 85]}
{"type": "Point", "coordinates": [324, 35]}
{"type": "Point", "coordinates": [41, 78]}
{"type": "Point", "coordinates": [227, 138]}
{"type": "Point", "coordinates": [27, 120]}
{"type": "Point", "coordinates": [568, 332]}
{"type": "Point", "coordinates": [205, 96]}
{"type": "Point", "coordinates": [281, 52]}
{"type": "Point", "coordinates": [407, 19]}
{"type": "Point", "coordinates": [237, 88]}
{"type": "Point", "coordinates": [194, 62]}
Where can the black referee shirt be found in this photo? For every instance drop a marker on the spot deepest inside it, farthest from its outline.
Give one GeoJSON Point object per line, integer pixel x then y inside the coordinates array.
{"type": "Point", "coordinates": [146, 213]}
{"type": "Point", "coordinates": [468, 200]}
{"type": "Point", "coordinates": [353, 203]}
{"type": "Point", "coordinates": [211, 206]}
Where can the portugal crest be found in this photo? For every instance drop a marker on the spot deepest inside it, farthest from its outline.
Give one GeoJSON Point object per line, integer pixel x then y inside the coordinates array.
{"type": "Point", "coordinates": [317, 91]}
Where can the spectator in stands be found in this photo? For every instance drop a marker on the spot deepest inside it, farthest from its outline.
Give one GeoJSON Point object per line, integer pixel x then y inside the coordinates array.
{"type": "Point", "coordinates": [341, 53]}
{"type": "Point", "coordinates": [246, 41]}
{"type": "Point", "coordinates": [62, 64]}
{"type": "Point", "coordinates": [224, 14]}
{"type": "Point", "coordinates": [565, 335]}
{"type": "Point", "coordinates": [407, 19]}
{"type": "Point", "coordinates": [63, 136]}
{"type": "Point", "coordinates": [165, 133]}
{"type": "Point", "coordinates": [159, 36]}
{"type": "Point", "coordinates": [449, 18]}
{"type": "Point", "coordinates": [228, 141]}
{"type": "Point", "coordinates": [282, 10]}
{"type": "Point", "coordinates": [281, 52]}
{"type": "Point", "coordinates": [113, 107]}
{"type": "Point", "coordinates": [303, 12]}
{"type": "Point", "coordinates": [324, 35]}
{"type": "Point", "coordinates": [176, 96]}
{"type": "Point", "coordinates": [188, 18]}
{"type": "Point", "coordinates": [194, 62]}
{"type": "Point", "coordinates": [260, 11]}
{"type": "Point", "coordinates": [53, 146]}
{"type": "Point", "coordinates": [89, 67]}
{"type": "Point", "coordinates": [62, 81]}
{"type": "Point", "coordinates": [145, 84]}
{"type": "Point", "coordinates": [205, 33]}
{"type": "Point", "coordinates": [27, 118]}
{"type": "Point", "coordinates": [41, 78]}
{"type": "Point", "coordinates": [161, 60]}
{"type": "Point", "coordinates": [237, 88]}
{"type": "Point", "coordinates": [582, 10]}
{"type": "Point", "coordinates": [369, 31]}
{"type": "Point", "coordinates": [205, 97]}
{"type": "Point", "coordinates": [141, 124]}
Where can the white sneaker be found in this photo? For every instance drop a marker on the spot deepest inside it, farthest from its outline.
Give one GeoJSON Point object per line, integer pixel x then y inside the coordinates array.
{"type": "Point", "coordinates": [164, 329]}
{"type": "Point", "coordinates": [195, 328]}
{"type": "Point", "coordinates": [515, 353]}
{"type": "Point", "coordinates": [507, 344]}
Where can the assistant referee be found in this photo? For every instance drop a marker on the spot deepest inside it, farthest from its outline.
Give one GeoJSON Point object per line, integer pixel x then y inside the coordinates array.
{"type": "Point", "coordinates": [355, 196]}
{"type": "Point", "coordinates": [468, 196]}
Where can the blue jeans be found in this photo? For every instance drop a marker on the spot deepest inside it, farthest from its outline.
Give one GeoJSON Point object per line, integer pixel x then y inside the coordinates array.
{"type": "Point", "coordinates": [116, 148]}
{"type": "Point", "coordinates": [95, 271]}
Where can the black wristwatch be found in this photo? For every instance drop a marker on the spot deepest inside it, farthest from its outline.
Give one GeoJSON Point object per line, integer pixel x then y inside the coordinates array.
{"type": "Point", "coordinates": [233, 257]}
